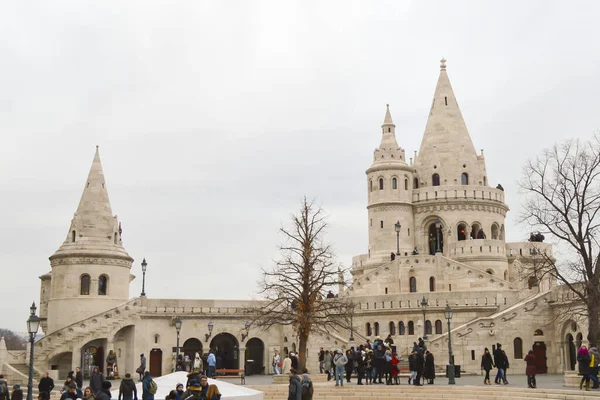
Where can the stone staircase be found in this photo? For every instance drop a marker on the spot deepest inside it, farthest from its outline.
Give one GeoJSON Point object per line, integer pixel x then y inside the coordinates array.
{"type": "Point", "coordinates": [106, 323]}
{"type": "Point", "coordinates": [409, 392]}
{"type": "Point", "coordinates": [24, 369]}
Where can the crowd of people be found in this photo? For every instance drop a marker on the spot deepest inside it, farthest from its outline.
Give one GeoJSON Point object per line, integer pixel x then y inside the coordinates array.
{"type": "Point", "coordinates": [207, 363]}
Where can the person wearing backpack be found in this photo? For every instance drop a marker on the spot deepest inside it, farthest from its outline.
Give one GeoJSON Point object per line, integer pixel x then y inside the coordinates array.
{"type": "Point", "coordinates": [17, 393]}
{"type": "Point", "coordinates": [307, 387]}
{"type": "Point", "coordinates": [4, 393]}
{"type": "Point", "coordinates": [149, 387]}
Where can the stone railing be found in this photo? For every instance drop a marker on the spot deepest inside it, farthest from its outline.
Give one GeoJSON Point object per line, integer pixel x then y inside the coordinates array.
{"type": "Point", "coordinates": [457, 192]}
{"type": "Point", "coordinates": [525, 249]}
{"type": "Point", "coordinates": [476, 247]}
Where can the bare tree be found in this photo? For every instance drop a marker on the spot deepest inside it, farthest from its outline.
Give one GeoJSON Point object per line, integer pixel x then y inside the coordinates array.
{"type": "Point", "coordinates": [296, 289]}
{"type": "Point", "coordinates": [562, 198]}
{"type": "Point", "coordinates": [13, 340]}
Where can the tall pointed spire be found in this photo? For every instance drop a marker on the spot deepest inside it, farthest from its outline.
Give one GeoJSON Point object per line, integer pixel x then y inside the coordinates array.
{"type": "Point", "coordinates": [94, 227]}
{"type": "Point", "coordinates": [388, 149]}
{"type": "Point", "coordinates": [388, 117]}
{"type": "Point", "coordinates": [446, 147]}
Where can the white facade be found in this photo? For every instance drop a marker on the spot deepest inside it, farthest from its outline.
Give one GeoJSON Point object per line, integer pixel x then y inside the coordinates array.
{"type": "Point", "coordinates": [447, 212]}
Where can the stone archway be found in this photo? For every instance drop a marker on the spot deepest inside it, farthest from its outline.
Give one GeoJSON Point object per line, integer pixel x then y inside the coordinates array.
{"type": "Point", "coordinates": [62, 363]}
{"type": "Point", "coordinates": [571, 352]}
{"type": "Point", "coordinates": [435, 238]}
{"type": "Point", "coordinates": [191, 347]}
{"type": "Point", "coordinates": [226, 349]}
{"type": "Point", "coordinates": [255, 357]}
{"type": "Point", "coordinates": [92, 355]}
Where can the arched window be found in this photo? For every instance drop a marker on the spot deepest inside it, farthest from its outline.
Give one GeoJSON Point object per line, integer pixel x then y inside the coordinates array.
{"type": "Point", "coordinates": [432, 284]}
{"type": "Point", "coordinates": [415, 183]}
{"type": "Point", "coordinates": [411, 328]}
{"type": "Point", "coordinates": [85, 284]}
{"type": "Point", "coordinates": [579, 340]}
{"type": "Point", "coordinates": [401, 328]}
{"type": "Point", "coordinates": [405, 184]}
{"type": "Point", "coordinates": [505, 275]}
{"type": "Point", "coordinates": [435, 180]}
{"type": "Point", "coordinates": [394, 183]}
{"type": "Point", "coordinates": [428, 330]}
{"type": "Point", "coordinates": [462, 232]}
{"type": "Point", "coordinates": [518, 347]}
{"type": "Point", "coordinates": [368, 330]}
{"type": "Point", "coordinates": [392, 328]}
{"type": "Point", "coordinates": [102, 285]}
{"type": "Point", "coordinates": [413, 284]}
{"type": "Point", "coordinates": [538, 332]}
{"type": "Point", "coordinates": [438, 327]}
{"type": "Point", "coordinates": [115, 238]}
{"type": "Point", "coordinates": [484, 181]}
{"type": "Point", "coordinates": [464, 178]}
{"type": "Point", "coordinates": [380, 183]}
{"type": "Point", "coordinates": [495, 232]}
{"type": "Point", "coordinates": [73, 236]}
{"type": "Point", "coordinates": [376, 328]}
{"type": "Point", "coordinates": [370, 185]}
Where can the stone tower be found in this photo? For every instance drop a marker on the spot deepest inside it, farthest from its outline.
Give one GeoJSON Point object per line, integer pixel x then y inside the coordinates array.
{"type": "Point", "coordinates": [389, 193]}
{"type": "Point", "coordinates": [451, 196]}
{"type": "Point", "coordinates": [91, 269]}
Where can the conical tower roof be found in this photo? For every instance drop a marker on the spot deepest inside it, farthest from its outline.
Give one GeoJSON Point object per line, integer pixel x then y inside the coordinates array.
{"type": "Point", "coordinates": [388, 150]}
{"type": "Point", "coordinates": [94, 228]}
{"type": "Point", "coordinates": [446, 147]}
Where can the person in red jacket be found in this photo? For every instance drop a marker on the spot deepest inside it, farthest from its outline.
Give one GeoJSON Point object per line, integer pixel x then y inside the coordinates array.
{"type": "Point", "coordinates": [531, 369]}
{"type": "Point", "coordinates": [395, 372]}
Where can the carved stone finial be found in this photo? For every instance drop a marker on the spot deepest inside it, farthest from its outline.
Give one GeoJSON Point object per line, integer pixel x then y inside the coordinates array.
{"type": "Point", "coordinates": [443, 64]}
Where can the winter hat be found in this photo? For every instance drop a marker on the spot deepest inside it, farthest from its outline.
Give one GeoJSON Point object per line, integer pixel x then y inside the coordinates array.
{"type": "Point", "coordinates": [179, 384]}
{"type": "Point", "coordinates": [498, 345]}
{"type": "Point", "coordinates": [194, 383]}
{"type": "Point", "coordinates": [17, 387]}
{"type": "Point", "coordinates": [486, 349]}
{"type": "Point", "coordinates": [106, 385]}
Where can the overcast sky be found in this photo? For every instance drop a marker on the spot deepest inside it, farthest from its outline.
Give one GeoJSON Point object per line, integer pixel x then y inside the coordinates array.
{"type": "Point", "coordinates": [215, 118]}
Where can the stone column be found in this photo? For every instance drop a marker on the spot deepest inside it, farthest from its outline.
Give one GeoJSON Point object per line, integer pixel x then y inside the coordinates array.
{"type": "Point", "coordinates": [242, 356]}
{"type": "Point", "coordinates": [3, 354]}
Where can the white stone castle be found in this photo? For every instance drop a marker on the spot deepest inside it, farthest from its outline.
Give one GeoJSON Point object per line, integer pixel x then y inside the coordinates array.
{"type": "Point", "coordinates": [436, 232]}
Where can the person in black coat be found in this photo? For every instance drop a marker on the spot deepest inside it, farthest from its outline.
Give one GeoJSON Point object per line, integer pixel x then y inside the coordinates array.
{"type": "Point", "coordinates": [501, 361]}
{"type": "Point", "coordinates": [96, 381]}
{"type": "Point", "coordinates": [349, 365]}
{"type": "Point", "coordinates": [486, 365]}
{"type": "Point", "coordinates": [78, 378]}
{"type": "Point", "coordinates": [104, 393]}
{"type": "Point", "coordinates": [412, 366]}
{"type": "Point", "coordinates": [17, 393]}
{"type": "Point", "coordinates": [419, 362]}
{"type": "Point", "coordinates": [45, 386]}
{"type": "Point", "coordinates": [359, 361]}
{"type": "Point", "coordinates": [429, 370]}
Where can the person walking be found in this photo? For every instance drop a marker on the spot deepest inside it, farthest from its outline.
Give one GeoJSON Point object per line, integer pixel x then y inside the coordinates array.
{"type": "Point", "coordinates": [104, 393]}
{"type": "Point", "coordinates": [340, 361]}
{"type": "Point", "coordinates": [419, 364]}
{"type": "Point", "coordinates": [327, 359]}
{"type": "Point", "coordinates": [212, 364]}
{"type": "Point", "coordinates": [359, 362]}
{"type": "Point", "coordinates": [295, 386]}
{"type": "Point", "coordinates": [142, 368]}
{"type": "Point", "coordinates": [96, 380]}
{"type": "Point", "coordinates": [349, 367]}
{"type": "Point", "coordinates": [321, 360]}
{"type": "Point", "coordinates": [429, 370]}
{"type": "Point", "coordinates": [395, 368]}
{"type": "Point", "coordinates": [4, 391]}
{"type": "Point", "coordinates": [127, 389]}
{"type": "Point", "coordinates": [307, 387]}
{"type": "Point", "coordinates": [594, 363]}
{"type": "Point", "coordinates": [147, 387]}
{"type": "Point", "coordinates": [530, 369]}
{"type": "Point", "coordinates": [487, 363]}
{"type": "Point", "coordinates": [276, 363]}
{"type": "Point", "coordinates": [79, 378]}
{"type": "Point", "coordinates": [287, 365]}
{"type": "Point", "coordinates": [412, 366]}
{"type": "Point", "coordinates": [17, 393]}
{"type": "Point", "coordinates": [45, 386]}
{"type": "Point", "coordinates": [501, 362]}
{"type": "Point", "coordinates": [583, 358]}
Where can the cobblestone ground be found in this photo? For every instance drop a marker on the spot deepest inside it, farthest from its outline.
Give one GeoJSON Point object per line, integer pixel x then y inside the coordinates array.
{"type": "Point", "coordinates": [545, 381]}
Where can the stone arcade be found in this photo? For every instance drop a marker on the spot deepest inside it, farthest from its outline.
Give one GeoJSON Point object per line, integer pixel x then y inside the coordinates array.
{"type": "Point", "coordinates": [449, 248]}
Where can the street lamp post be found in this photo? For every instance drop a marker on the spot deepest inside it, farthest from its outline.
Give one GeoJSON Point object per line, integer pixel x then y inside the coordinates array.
{"type": "Point", "coordinates": [144, 266]}
{"type": "Point", "coordinates": [448, 315]}
{"type": "Point", "coordinates": [424, 305]}
{"type": "Point", "coordinates": [33, 324]}
{"type": "Point", "coordinates": [438, 226]}
{"type": "Point", "coordinates": [177, 323]}
{"type": "Point", "coordinates": [351, 339]}
{"type": "Point", "coordinates": [398, 227]}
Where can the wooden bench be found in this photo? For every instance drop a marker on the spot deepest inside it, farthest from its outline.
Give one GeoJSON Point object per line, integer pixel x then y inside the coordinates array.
{"type": "Point", "coordinates": [231, 373]}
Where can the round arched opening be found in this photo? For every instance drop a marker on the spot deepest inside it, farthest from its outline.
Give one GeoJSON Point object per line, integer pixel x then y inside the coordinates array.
{"type": "Point", "coordinates": [435, 239]}
{"type": "Point", "coordinates": [225, 347]}
{"type": "Point", "coordinates": [191, 347]}
{"type": "Point", "coordinates": [255, 357]}
{"type": "Point", "coordinates": [462, 232]}
{"type": "Point", "coordinates": [572, 352]}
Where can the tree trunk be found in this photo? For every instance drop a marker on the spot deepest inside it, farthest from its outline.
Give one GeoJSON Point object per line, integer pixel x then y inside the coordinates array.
{"type": "Point", "coordinates": [593, 320]}
{"type": "Point", "coordinates": [303, 341]}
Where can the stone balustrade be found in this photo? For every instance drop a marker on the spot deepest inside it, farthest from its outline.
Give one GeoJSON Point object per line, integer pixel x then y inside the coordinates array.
{"type": "Point", "coordinates": [476, 247]}
{"type": "Point", "coordinates": [456, 192]}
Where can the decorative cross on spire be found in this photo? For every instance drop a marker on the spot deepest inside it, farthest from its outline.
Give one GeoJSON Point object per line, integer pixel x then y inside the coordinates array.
{"type": "Point", "coordinates": [443, 64]}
